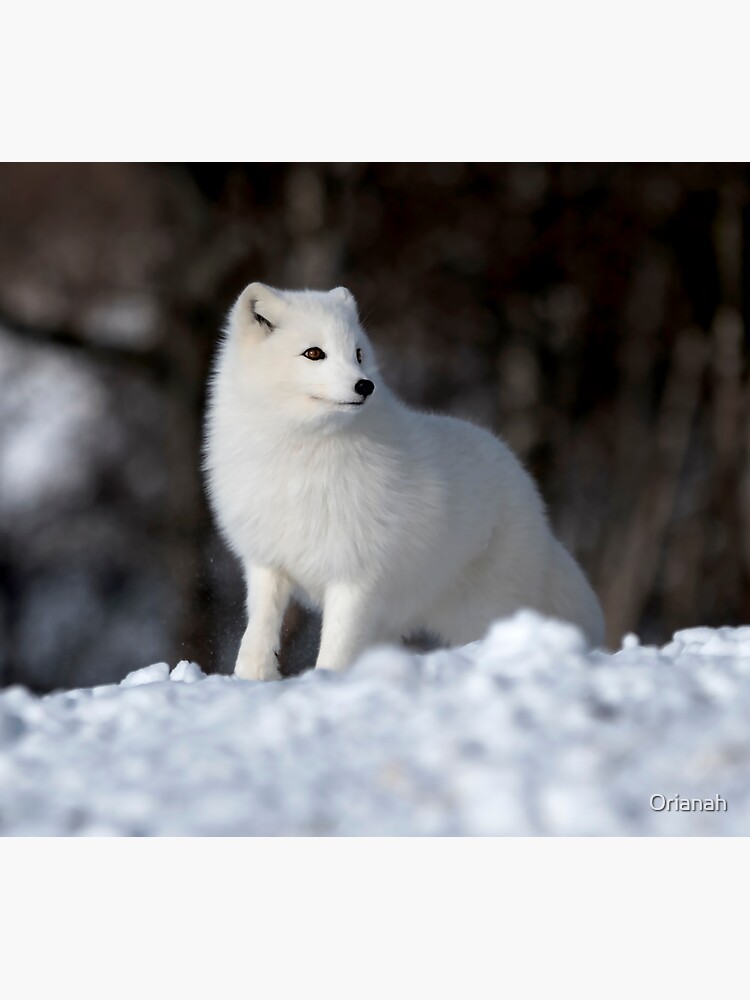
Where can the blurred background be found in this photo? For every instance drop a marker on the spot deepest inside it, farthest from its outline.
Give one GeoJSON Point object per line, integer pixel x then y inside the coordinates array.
{"type": "Point", "coordinates": [594, 315]}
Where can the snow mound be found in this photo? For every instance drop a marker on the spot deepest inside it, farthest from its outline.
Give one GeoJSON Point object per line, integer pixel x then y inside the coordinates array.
{"type": "Point", "coordinates": [525, 732]}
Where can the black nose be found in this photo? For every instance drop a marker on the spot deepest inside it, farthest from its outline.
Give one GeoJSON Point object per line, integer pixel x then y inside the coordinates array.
{"type": "Point", "coordinates": [364, 387]}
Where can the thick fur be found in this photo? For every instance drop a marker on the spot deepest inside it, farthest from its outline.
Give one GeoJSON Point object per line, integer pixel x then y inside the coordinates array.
{"type": "Point", "coordinates": [387, 519]}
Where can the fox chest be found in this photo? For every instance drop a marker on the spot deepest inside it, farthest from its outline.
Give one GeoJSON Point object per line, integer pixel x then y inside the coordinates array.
{"type": "Point", "coordinates": [318, 521]}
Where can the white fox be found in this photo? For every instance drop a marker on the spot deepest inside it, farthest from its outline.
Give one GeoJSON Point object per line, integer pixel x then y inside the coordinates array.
{"type": "Point", "coordinates": [329, 488]}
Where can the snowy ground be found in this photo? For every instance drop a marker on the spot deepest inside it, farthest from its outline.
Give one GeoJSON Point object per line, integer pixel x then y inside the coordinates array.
{"type": "Point", "coordinates": [527, 732]}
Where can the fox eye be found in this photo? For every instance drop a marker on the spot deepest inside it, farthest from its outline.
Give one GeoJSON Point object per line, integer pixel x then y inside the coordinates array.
{"type": "Point", "coordinates": [314, 354]}
{"type": "Point", "coordinates": [359, 355]}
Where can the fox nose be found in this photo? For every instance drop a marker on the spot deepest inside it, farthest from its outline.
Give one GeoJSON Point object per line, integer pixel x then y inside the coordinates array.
{"type": "Point", "coordinates": [364, 387]}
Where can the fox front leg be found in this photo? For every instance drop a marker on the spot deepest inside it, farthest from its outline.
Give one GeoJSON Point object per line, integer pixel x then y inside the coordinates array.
{"type": "Point", "coordinates": [347, 626]}
{"type": "Point", "coordinates": [268, 593]}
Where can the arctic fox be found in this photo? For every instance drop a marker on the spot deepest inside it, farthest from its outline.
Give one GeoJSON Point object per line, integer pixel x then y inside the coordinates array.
{"type": "Point", "coordinates": [329, 488]}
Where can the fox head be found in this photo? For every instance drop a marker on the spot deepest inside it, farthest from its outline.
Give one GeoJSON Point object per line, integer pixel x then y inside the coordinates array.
{"type": "Point", "coordinates": [303, 354]}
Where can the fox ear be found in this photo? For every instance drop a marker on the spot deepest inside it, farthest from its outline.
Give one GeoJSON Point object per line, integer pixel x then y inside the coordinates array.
{"type": "Point", "coordinates": [258, 309]}
{"type": "Point", "coordinates": [343, 295]}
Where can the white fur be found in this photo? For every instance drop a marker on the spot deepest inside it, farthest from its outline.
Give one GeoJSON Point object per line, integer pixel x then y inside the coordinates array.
{"type": "Point", "coordinates": [388, 519]}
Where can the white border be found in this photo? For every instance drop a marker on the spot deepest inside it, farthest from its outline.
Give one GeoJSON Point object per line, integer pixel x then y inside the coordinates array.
{"type": "Point", "coordinates": [374, 918]}
{"type": "Point", "coordinates": [543, 80]}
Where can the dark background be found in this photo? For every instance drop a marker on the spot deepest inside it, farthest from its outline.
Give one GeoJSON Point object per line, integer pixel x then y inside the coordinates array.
{"type": "Point", "coordinates": [595, 315]}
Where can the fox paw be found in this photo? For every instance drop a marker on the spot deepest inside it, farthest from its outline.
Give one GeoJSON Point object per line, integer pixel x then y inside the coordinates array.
{"type": "Point", "coordinates": [257, 668]}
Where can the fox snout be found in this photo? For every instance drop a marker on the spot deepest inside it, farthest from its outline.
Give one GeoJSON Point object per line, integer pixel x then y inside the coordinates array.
{"type": "Point", "coordinates": [364, 387]}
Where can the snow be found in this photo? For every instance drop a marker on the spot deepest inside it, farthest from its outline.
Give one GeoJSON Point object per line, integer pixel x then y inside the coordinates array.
{"type": "Point", "coordinates": [49, 409]}
{"type": "Point", "coordinates": [525, 732]}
